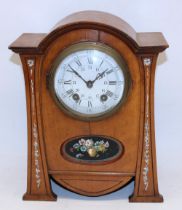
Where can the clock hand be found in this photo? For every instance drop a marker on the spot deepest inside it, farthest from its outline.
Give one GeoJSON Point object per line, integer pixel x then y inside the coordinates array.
{"type": "Point", "coordinates": [75, 72]}
{"type": "Point", "coordinates": [99, 75]}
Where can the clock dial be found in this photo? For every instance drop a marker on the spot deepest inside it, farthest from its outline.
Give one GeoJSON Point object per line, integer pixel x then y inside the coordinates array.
{"type": "Point", "coordinates": [88, 81]}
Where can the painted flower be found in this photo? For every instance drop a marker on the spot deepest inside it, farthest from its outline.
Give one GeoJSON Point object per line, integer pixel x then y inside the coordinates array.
{"type": "Point", "coordinates": [97, 148]}
{"type": "Point", "coordinates": [79, 155]}
{"type": "Point", "coordinates": [89, 143]}
{"type": "Point", "coordinates": [76, 146]}
{"type": "Point", "coordinates": [83, 148]}
{"type": "Point", "coordinates": [101, 142]}
{"type": "Point", "coordinates": [106, 144]}
{"type": "Point", "coordinates": [93, 148]}
{"type": "Point", "coordinates": [82, 141]}
{"type": "Point", "coordinates": [102, 148]}
{"type": "Point", "coordinates": [96, 143]}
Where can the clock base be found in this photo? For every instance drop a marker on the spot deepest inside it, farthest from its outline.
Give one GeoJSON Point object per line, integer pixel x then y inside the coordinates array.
{"type": "Point", "coordinates": [146, 199]}
{"type": "Point", "coordinates": [30, 197]}
{"type": "Point", "coordinates": [91, 184]}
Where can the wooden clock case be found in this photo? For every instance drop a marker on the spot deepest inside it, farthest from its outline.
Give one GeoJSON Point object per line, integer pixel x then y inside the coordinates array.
{"type": "Point", "coordinates": [133, 123]}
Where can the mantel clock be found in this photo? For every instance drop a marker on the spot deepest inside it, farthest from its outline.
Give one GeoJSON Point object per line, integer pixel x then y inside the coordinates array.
{"type": "Point", "coordinates": [90, 107]}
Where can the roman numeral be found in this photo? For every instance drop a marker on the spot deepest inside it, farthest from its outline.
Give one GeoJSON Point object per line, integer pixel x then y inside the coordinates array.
{"type": "Point", "coordinates": [72, 69]}
{"type": "Point", "coordinates": [67, 82]}
{"type": "Point", "coordinates": [90, 61]}
{"type": "Point", "coordinates": [89, 58]}
{"type": "Point", "coordinates": [116, 97]}
{"type": "Point", "coordinates": [112, 82]}
{"type": "Point", "coordinates": [79, 102]}
{"type": "Point", "coordinates": [69, 93]}
{"type": "Point", "coordinates": [89, 104]}
{"type": "Point", "coordinates": [110, 71]}
{"type": "Point", "coordinates": [69, 70]}
{"type": "Point", "coordinates": [101, 64]}
{"type": "Point", "coordinates": [109, 93]}
{"type": "Point", "coordinates": [97, 69]}
{"type": "Point", "coordinates": [77, 61]}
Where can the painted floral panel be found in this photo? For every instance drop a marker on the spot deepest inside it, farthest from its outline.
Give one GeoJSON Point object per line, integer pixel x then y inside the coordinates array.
{"type": "Point", "coordinates": [92, 149]}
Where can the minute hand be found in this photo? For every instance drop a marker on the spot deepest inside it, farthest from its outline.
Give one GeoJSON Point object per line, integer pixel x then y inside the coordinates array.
{"type": "Point", "coordinates": [99, 75]}
{"type": "Point", "coordinates": [75, 72]}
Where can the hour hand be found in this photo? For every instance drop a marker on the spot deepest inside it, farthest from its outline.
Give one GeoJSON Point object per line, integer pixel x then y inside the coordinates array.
{"type": "Point", "coordinates": [99, 75]}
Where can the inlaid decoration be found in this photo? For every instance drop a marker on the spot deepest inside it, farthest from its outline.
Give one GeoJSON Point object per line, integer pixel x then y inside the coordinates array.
{"type": "Point", "coordinates": [35, 138]}
{"type": "Point", "coordinates": [92, 149]}
{"type": "Point", "coordinates": [147, 64]}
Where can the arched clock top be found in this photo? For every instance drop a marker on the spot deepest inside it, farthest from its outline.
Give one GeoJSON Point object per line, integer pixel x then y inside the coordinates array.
{"type": "Point", "coordinates": [100, 18]}
{"type": "Point", "coordinates": [101, 21]}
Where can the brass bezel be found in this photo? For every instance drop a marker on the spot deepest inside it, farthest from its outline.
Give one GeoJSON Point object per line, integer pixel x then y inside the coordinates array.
{"type": "Point", "coordinates": [82, 46]}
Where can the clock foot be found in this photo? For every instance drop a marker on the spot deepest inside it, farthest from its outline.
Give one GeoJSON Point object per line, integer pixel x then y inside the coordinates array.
{"type": "Point", "coordinates": [39, 197]}
{"type": "Point", "coordinates": [146, 199]}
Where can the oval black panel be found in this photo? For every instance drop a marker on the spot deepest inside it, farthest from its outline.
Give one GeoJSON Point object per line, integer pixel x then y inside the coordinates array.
{"type": "Point", "coordinates": [92, 149]}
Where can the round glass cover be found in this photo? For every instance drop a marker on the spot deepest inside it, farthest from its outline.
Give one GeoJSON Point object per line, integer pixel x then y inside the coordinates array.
{"type": "Point", "coordinates": [89, 80]}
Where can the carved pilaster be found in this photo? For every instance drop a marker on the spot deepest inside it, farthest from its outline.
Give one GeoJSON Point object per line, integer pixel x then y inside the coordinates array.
{"type": "Point", "coordinates": [146, 186]}
{"type": "Point", "coordinates": [146, 172]}
{"type": "Point", "coordinates": [34, 129]}
{"type": "Point", "coordinates": [38, 183]}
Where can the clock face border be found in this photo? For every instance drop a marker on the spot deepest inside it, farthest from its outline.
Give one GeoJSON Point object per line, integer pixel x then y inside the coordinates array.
{"type": "Point", "coordinates": [85, 46]}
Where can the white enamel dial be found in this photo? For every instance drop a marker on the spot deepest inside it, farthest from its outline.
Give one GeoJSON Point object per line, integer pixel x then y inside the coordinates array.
{"type": "Point", "coordinates": [89, 82]}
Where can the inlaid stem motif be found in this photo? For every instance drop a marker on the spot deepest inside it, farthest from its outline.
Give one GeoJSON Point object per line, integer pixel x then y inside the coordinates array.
{"type": "Point", "coordinates": [147, 65]}
{"type": "Point", "coordinates": [35, 138]}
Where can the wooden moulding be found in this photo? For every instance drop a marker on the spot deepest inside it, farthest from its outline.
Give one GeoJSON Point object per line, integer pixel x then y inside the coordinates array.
{"type": "Point", "coordinates": [139, 42]}
{"type": "Point", "coordinates": [140, 50]}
